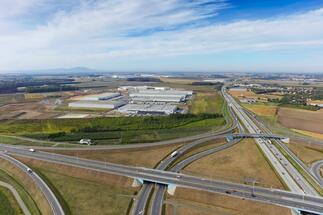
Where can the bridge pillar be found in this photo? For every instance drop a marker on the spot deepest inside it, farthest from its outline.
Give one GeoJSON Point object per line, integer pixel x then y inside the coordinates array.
{"type": "Point", "coordinates": [171, 188]}
{"type": "Point", "coordinates": [137, 182]}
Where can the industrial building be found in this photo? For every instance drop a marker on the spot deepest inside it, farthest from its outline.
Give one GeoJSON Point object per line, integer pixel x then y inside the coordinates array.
{"type": "Point", "coordinates": [102, 97]}
{"type": "Point", "coordinates": [148, 109]}
{"type": "Point", "coordinates": [149, 95]}
{"type": "Point", "coordinates": [112, 104]}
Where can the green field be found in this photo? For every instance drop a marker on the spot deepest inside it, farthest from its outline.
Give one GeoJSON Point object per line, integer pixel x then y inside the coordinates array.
{"type": "Point", "coordinates": [114, 130]}
{"type": "Point", "coordinates": [207, 102]}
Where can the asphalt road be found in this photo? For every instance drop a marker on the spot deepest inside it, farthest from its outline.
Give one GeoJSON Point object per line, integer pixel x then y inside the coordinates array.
{"type": "Point", "coordinates": [270, 196]}
{"type": "Point", "coordinates": [146, 190]}
{"type": "Point", "coordinates": [158, 198]}
{"type": "Point", "coordinates": [316, 170]}
{"type": "Point", "coordinates": [51, 198]}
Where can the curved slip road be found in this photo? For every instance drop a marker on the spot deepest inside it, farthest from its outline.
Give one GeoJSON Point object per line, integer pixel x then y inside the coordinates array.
{"type": "Point", "coordinates": [51, 198]}
{"type": "Point", "coordinates": [316, 170]}
{"type": "Point", "coordinates": [158, 198]}
{"type": "Point", "coordinates": [141, 203]}
{"type": "Point", "coordinates": [14, 192]}
{"type": "Point", "coordinates": [146, 190]}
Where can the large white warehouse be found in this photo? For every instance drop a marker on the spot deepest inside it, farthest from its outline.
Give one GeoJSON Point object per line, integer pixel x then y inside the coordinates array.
{"type": "Point", "coordinates": [160, 95]}
{"type": "Point", "coordinates": [113, 104]}
{"type": "Point", "coordinates": [98, 97]}
{"type": "Point", "coordinates": [152, 109]}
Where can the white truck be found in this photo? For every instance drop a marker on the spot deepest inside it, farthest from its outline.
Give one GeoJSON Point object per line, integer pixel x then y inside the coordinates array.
{"type": "Point", "coordinates": [86, 141]}
{"type": "Point", "coordinates": [174, 153]}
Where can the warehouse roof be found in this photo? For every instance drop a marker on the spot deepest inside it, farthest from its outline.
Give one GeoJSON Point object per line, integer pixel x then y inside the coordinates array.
{"type": "Point", "coordinates": [148, 108]}
{"type": "Point", "coordinates": [102, 96]}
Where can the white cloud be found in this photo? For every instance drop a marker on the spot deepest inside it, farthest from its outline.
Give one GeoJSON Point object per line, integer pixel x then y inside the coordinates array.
{"type": "Point", "coordinates": [96, 33]}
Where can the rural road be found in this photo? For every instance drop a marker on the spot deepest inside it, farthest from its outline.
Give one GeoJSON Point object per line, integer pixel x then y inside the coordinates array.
{"type": "Point", "coordinates": [14, 192]}
{"type": "Point", "coordinates": [51, 198]}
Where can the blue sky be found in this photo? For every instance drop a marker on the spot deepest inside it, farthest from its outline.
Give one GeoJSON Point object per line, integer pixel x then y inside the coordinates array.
{"type": "Point", "coordinates": [168, 35]}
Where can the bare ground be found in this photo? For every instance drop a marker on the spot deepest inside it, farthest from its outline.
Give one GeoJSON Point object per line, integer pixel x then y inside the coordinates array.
{"type": "Point", "coordinates": [301, 119]}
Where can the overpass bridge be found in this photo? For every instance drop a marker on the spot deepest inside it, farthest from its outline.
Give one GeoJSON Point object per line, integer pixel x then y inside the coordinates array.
{"type": "Point", "coordinates": [231, 137]}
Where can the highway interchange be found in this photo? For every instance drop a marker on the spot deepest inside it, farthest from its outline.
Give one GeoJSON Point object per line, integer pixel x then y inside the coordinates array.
{"type": "Point", "coordinates": [267, 195]}
{"type": "Point", "coordinates": [302, 195]}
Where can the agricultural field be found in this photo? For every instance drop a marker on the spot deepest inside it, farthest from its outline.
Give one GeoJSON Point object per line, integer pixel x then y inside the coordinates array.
{"type": "Point", "coordinates": [243, 94]}
{"type": "Point", "coordinates": [301, 119]}
{"type": "Point", "coordinates": [242, 166]}
{"type": "Point", "coordinates": [86, 192]}
{"type": "Point", "coordinates": [262, 109]}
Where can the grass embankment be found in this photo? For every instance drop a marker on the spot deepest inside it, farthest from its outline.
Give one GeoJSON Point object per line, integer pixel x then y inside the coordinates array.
{"type": "Point", "coordinates": [308, 153]}
{"type": "Point", "coordinates": [84, 191]}
{"type": "Point", "coordinates": [28, 191]}
{"type": "Point", "coordinates": [8, 203]}
{"type": "Point", "coordinates": [237, 164]}
{"type": "Point", "coordinates": [121, 130]}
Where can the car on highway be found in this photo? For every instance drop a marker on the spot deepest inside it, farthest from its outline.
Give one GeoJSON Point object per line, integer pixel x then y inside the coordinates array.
{"type": "Point", "coordinates": [32, 150]}
{"type": "Point", "coordinates": [230, 191]}
{"type": "Point", "coordinates": [29, 170]}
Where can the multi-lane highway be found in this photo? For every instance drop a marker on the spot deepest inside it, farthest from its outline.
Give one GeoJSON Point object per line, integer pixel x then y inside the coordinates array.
{"type": "Point", "coordinates": [271, 196]}
{"type": "Point", "coordinates": [291, 176]}
{"type": "Point", "coordinates": [49, 195]}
